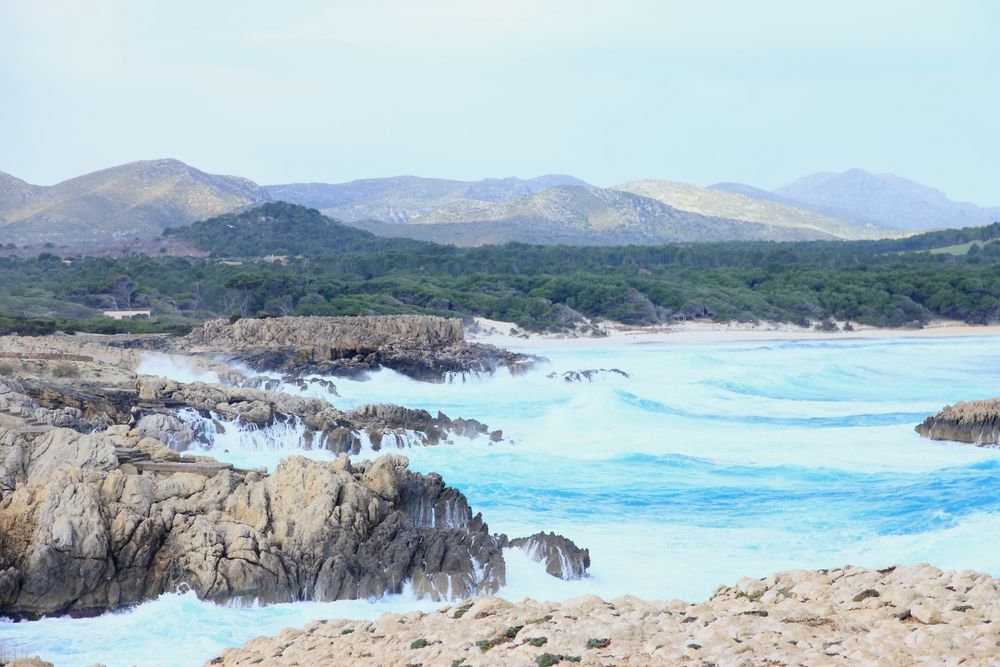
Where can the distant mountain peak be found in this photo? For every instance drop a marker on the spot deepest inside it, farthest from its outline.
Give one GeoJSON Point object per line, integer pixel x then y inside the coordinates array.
{"type": "Point", "coordinates": [885, 200]}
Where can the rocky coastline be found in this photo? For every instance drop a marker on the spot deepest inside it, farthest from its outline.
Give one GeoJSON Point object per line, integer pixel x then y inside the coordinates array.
{"type": "Point", "coordinates": [907, 615]}
{"type": "Point", "coordinates": [102, 507]}
{"type": "Point", "coordinates": [975, 422]}
{"type": "Point", "coordinates": [91, 522]}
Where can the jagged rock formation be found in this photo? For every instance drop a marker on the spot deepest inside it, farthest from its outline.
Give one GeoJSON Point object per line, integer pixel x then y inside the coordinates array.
{"type": "Point", "coordinates": [914, 614]}
{"type": "Point", "coordinates": [324, 426]}
{"type": "Point", "coordinates": [587, 375]}
{"type": "Point", "coordinates": [561, 556]}
{"type": "Point", "coordinates": [977, 422]}
{"type": "Point", "coordinates": [394, 420]}
{"type": "Point", "coordinates": [83, 534]}
{"type": "Point", "coordinates": [419, 346]}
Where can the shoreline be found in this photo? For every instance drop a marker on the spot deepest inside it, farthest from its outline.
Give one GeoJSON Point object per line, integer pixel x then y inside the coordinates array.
{"type": "Point", "coordinates": [507, 335]}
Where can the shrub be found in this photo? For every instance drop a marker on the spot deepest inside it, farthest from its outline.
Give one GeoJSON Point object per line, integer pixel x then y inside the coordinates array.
{"type": "Point", "coordinates": [65, 369]}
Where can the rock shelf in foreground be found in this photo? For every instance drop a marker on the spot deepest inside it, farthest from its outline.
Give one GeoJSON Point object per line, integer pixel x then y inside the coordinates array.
{"type": "Point", "coordinates": [976, 422]}
{"type": "Point", "coordinates": [908, 615]}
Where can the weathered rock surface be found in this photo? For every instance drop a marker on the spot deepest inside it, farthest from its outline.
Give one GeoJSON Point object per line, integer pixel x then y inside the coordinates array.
{"type": "Point", "coordinates": [910, 615]}
{"type": "Point", "coordinates": [562, 557]}
{"type": "Point", "coordinates": [977, 422]}
{"type": "Point", "coordinates": [422, 347]}
{"type": "Point", "coordinates": [77, 405]}
{"type": "Point", "coordinates": [86, 535]}
{"type": "Point", "coordinates": [168, 429]}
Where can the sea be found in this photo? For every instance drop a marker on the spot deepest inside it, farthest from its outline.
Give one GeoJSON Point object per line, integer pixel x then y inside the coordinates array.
{"type": "Point", "coordinates": [701, 464]}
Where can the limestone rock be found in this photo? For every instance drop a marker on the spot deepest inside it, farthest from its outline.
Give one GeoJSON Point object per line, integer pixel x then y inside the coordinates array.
{"type": "Point", "coordinates": [87, 536]}
{"type": "Point", "coordinates": [167, 429]}
{"type": "Point", "coordinates": [771, 621]}
{"type": "Point", "coordinates": [422, 347]}
{"type": "Point", "coordinates": [976, 422]}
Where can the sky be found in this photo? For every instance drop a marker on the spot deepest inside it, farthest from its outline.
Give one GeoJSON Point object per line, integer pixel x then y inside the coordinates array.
{"type": "Point", "coordinates": [755, 91]}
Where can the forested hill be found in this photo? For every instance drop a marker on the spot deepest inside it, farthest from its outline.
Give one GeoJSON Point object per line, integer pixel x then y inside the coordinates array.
{"type": "Point", "coordinates": [324, 268]}
{"type": "Point", "coordinates": [280, 228]}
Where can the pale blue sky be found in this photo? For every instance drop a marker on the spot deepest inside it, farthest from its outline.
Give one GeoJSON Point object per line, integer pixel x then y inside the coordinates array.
{"type": "Point", "coordinates": [758, 91]}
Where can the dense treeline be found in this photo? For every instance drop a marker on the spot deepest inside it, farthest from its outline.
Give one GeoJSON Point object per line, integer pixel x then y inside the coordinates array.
{"type": "Point", "coordinates": [333, 269]}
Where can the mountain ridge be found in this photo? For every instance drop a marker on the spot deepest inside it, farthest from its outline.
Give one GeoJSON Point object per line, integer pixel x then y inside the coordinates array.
{"type": "Point", "coordinates": [136, 199]}
{"type": "Point", "coordinates": [402, 198]}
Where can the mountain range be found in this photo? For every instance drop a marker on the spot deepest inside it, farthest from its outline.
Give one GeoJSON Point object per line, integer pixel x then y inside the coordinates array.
{"type": "Point", "coordinates": [140, 199]}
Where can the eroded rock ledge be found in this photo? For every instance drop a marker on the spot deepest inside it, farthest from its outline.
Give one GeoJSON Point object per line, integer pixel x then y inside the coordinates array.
{"type": "Point", "coordinates": [419, 346]}
{"type": "Point", "coordinates": [149, 406]}
{"type": "Point", "coordinates": [83, 530]}
{"type": "Point", "coordinates": [914, 614]}
{"type": "Point", "coordinates": [976, 422]}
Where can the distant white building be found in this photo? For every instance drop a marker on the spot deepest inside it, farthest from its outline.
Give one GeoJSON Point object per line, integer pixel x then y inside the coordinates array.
{"type": "Point", "coordinates": [128, 314]}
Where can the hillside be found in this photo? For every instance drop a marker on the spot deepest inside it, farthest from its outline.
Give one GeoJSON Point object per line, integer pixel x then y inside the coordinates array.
{"type": "Point", "coordinates": [135, 200]}
{"type": "Point", "coordinates": [402, 198]}
{"type": "Point", "coordinates": [14, 193]}
{"type": "Point", "coordinates": [717, 203]}
{"type": "Point", "coordinates": [885, 200]}
{"type": "Point", "coordinates": [585, 216]}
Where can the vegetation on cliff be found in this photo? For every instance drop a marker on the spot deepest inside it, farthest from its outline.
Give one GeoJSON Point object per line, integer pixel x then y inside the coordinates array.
{"type": "Point", "coordinates": [324, 268]}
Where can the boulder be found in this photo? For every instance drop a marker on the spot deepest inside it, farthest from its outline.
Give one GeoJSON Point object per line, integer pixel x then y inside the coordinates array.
{"type": "Point", "coordinates": [167, 429]}
{"type": "Point", "coordinates": [562, 557]}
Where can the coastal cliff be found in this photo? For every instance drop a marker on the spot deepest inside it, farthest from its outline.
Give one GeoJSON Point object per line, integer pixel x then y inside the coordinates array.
{"type": "Point", "coordinates": [976, 422]}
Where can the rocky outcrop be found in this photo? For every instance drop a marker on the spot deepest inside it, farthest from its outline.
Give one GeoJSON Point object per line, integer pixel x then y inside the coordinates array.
{"type": "Point", "coordinates": [80, 406]}
{"type": "Point", "coordinates": [422, 347]}
{"type": "Point", "coordinates": [587, 375]}
{"type": "Point", "coordinates": [389, 425]}
{"type": "Point", "coordinates": [909, 615]}
{"type": "Point", "coordinates": [562, 557]}
{"type": "Point", "coordinates": [977, 422]}
{"type": "Point", "coordinates": [89, 535]}
{"type": "Point", "coordinates": [324, 426]}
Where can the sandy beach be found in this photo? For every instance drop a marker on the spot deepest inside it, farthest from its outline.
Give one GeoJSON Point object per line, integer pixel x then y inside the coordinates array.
{"type": "Point", "coordinates": [507, 334]}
